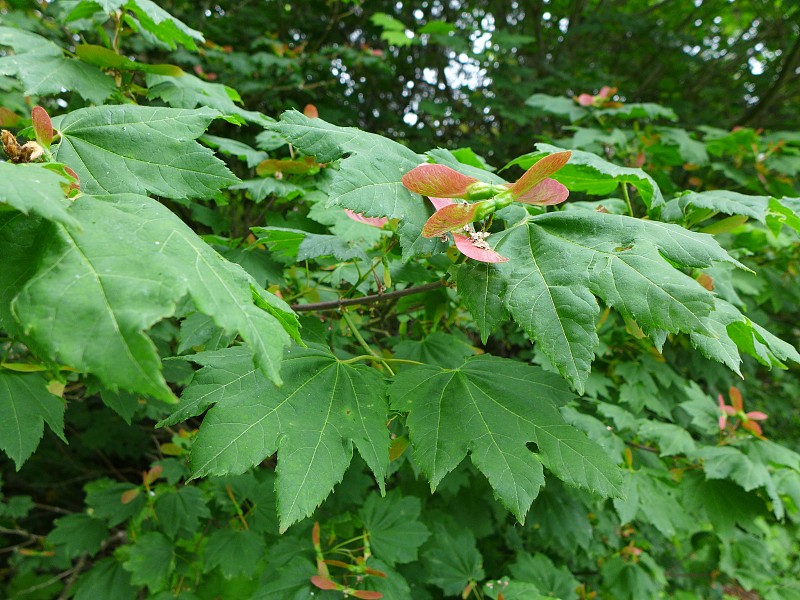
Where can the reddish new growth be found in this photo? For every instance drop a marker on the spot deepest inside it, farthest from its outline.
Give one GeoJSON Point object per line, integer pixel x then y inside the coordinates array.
{"type": "Point", "coordinates": [601, 100]}
{"type": "Point", "coordinates": [736, 410]}
{"type": "Point", "coordinates": [374, 221]}
{"type": "Point", "coordinates": [440, 183]}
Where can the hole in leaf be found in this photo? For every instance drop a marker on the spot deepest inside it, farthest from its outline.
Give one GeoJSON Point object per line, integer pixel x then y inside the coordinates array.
{"type": "Point", "coordinates": [533, 447]}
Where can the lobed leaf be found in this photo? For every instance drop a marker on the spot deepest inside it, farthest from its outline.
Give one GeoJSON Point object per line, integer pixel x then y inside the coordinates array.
{"type": "Point", "coordinates": [492, 408]}
{"type": "Point", "coordinates": [125, 270]}
{"type": "Point", "coordinates": [141, 149]}
{"type": "Point", "coordinates": [323, 408]}
{"type": "Point", "coordinates": [559, 262]}
{"type": "Point", "coordinates": [25, 406]}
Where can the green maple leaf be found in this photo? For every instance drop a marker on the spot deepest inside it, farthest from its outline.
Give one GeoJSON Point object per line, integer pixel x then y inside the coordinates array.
{"type": "Point", "coordinates": [78, 533]}
{"type": "Point", "coordinates": [368, 180]}
{"type": "Point", "coordinates": [106, 579]}
{"type": "Point", "coordinates": [141, 149]}
{"type": "Point", "coordinates": [179, 511]}
{"type": "Point", "coordinates": [559, 262]}
{"type": "Point", "coordinates": [452, 559]}
{"type": "Point", "coordinates": [25, 406]}
{"type": "Point", "coordinates": [124, 271]}
{"type": "Point", "coordinates": [482, 288]}
{"type": "Point", "coordinates": [188, 91]}
{"type": "Point", "coordinates": [44, 70]}
{"type": "Point", "coordinates": [150, 561]}
{"type": "Point", "coordinates": [557, 105]}
{"type": "Point", "coordinates": [732, 332]}
{"type": "Point", "coordinates": [296, 245]}
{"type": "Point", "coordinates": [392, 523]}
{"type": "Point", "coordinates": [492, 408]}
{"type": "Point", "coordinates": [240, 150]}
{"type": "Point", "coordinates": [234, 552]}
{"type": "Point", "coordinates": [33, 188]}
{"type": "Point", "coordinates": [555, 582]}
{"type": "Point", "coordinates": [323, 409]}
{"type": "Point", "coordinates": [163, 25]}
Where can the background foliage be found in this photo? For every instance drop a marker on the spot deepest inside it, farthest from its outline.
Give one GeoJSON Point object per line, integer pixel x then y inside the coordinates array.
{"type": "Point", "coordinates": [208, 335]}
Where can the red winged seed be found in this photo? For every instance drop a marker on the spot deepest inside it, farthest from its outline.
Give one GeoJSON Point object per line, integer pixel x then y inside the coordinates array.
{"type": "Point", "coordinates": [449, 218]}
{"type": "Point", "coordinates": [437, 180]}
{"type": "Point", "coordinates": [545, 193]}
{"type": "Point", "coordinates": [324, 584]}
{"type": "Point", "coordinates": [468, 248]}
{"type": "Point", "coordinates": [374, 221]}
{"type": "Point", "coordinates": [539, 171]}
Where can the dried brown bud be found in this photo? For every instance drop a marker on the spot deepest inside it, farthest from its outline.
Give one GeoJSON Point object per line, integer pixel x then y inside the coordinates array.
{"type": "Point", "coordinates": [27, 152]}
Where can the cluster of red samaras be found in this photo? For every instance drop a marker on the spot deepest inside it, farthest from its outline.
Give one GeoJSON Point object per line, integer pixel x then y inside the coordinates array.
{"type": "Point", "coordinates": [735, 410]}
{"type": "Point", "coordinates": [442, 185]}
{"type": "Point", "coordinates": [601, 100]}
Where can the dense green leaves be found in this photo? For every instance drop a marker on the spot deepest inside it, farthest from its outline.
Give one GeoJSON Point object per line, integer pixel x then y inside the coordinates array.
{"type": "Point", "coordinates": [323, 409]}
{"type": "Point", "coordinates": [492, 409]}
{"type": "Point", "coordinates": [126, 269]}
{"type": "Point", "coordinates": [249, 488]}
{"type": "Point", "coordinates": [43, 68]}
{"type": "Point", "coordinates": [141, 149]}
{"type": "Point", "coordinates": [368, 180]}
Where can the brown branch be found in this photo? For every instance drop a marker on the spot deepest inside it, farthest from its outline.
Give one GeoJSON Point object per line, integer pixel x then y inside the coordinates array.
{"type": "Point", "coordinates": [337, 304]}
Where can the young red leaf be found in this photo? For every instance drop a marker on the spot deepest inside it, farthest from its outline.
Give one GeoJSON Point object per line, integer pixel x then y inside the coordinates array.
{"type": "Point", "coordinates": [539, 171]}
{"type": "Point", "coordinates": [311, 111]}
{"type": "Point", "coordinates": [375, 573]}
{"type": "Point", "coordinates": [315, 534]}
{"type": "Point", "coordinates": [753, 428]}
{"type": "Point", "coordinates": [129, 496]}
{"type": "Point", "coordinates": [153, 474]}
{"type": "Point", "coordinates": [42, 126]}
{"type": "Point", "coordinates": [76, 185]}
{"type": "Point", "coordinates": [374, 221]}
{"type": "Point", "coordinates": [479, 251]}
{"type": "Point", "coordinates": [324, 583]}
{"type": "Point", "coordinates": [545, 193]}
{"type": "Point", "coordinates": [736, 398]}
{"type": "Point", "coordinates": [450, 218]}
{"type": "Point", "coordinates": [437, 180]}
{"type": "Point", "coordinates": [585, 99]}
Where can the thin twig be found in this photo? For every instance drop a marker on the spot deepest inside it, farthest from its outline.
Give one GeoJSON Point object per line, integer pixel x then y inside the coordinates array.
{"type": "Point", "coordinates": [337, 304]}
{"type": "Point", "coordinates": [363, 343]}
